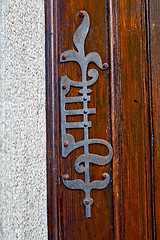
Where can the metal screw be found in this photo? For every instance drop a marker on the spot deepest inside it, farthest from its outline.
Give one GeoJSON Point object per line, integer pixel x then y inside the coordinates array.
{"type": "Point", "coordinates": [105, 65]}
{"type": "Point", "coordinates": [87, 201]}
{"type": "Point", "coordinates": [66, 176]}
{"type": "Point", "coordinates": [85, 111]}
{"type": "Point", "coordinates": [64, 57]}
{"type": "Point", "coordinates": [85, 98]}
{"type": "Point", "coordinates": [81, 14]}
{"type": "Point", "coordinates": [64, 86]}
{"type": "Point", "coordinates": [85, 124]}
{"type": "Point", "coordinates": [104, 175]}
{"type": "Point", "coordinates": [65, 144]}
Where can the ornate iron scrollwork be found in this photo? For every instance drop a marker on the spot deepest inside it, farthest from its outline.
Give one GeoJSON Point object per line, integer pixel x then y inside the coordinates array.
{"type": "Point", "coordinates": [68, 141]}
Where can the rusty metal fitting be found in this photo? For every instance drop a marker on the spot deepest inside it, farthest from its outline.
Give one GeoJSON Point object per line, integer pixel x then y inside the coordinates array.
{"type": "Point", "coordinates": [66, 176]}
{"type": "Point", "coordinates": [64, 86]}
{"type": "Point", "coordinates": [81, 13]}
{"type": "Point", "coordinates": [87, 201]}
{"type": "Point", "coordinates": [105, 65]}
{"type": "Point", "coordinates": [104, 175]}
{"type": "Point", "coordinates": [85, 98]}
{"type": "Point", "coordinates": [64, 57]}
{"type": "Point", "coordinates": [65, 144]}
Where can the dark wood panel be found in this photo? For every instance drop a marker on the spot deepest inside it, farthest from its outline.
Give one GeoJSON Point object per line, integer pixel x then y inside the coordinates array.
{"type": "Point", "coordinates": [136, 138]}
{"type": "Point", "coordinates": [116, 112]}
{"type": "Point", "coordinates": [155, 107]}
{"type": "Point", "coordinates": [52, 111]}
{"type": "Point", "coordinates": [65, 209]}
{"type": "Point", "coordinates": [74, 224]}
{"type": "Point", "coordinates": [126, 34]}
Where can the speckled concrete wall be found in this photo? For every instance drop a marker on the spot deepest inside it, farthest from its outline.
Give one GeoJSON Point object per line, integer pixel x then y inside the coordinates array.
{"type": "Point", "coordinates": [23, 198]}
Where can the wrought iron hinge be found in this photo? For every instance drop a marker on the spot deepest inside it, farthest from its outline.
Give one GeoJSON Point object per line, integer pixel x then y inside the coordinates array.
{"type": "Point", "coordinates": [68, 141]}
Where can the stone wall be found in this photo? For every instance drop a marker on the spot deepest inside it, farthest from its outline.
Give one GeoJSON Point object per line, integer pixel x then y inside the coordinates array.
{"type": "Point", "coordinates": [23, 194]}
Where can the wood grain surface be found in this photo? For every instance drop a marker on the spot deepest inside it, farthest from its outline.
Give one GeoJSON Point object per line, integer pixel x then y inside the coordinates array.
{"type": "Point", "coordinates": [73, 221]}
{"type": "Point", "coordinates": [154, 34]}
{"type": "Point", "coordinates": [52, 119]}
{"type": "Point", "coordinates": [136, 138]}
{"type": "Point", "coordinates": [127, 35]}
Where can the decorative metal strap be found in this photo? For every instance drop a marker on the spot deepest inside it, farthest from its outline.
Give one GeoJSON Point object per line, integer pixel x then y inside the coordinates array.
{"type": "Point", "coordinates": [68, 141]}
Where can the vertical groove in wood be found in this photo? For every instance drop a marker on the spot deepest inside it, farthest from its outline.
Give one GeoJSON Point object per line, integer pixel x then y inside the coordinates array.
{"type": "Point", "coordinates": [52, 125]}
{"type": "Point", "coordinates": [154, 37]}
{"type": "Point", "coordinates": [136, 139]}
{"type": "Point", "coordinates": [109, 105]}
{"type": "Point", "coordinates": [149, 164]}
{"type": "Point", "coordinates": [118, 203]}
{"type": "Point", "coordinates": [148, 47]}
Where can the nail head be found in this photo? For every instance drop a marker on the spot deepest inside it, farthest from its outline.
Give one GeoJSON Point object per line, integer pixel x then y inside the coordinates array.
{"type": "Point", "coordinates": [105, 65]}
{"type": "Point", "coordinates": [64, 86]}
{"type": "Point", "coordinates": [87, 201]}
{"type": "Point", "coordinates": [104, 175]}
{"type": "Point", "coordinates": [65, 144]}
{"type": "Point", "coordinates": [85, 98]}
{"type": "Point", "coordinates": [64, 57]}
{"type": "Point", "coordinates": [81, 13]}
{"type": "Point", "coordinates": [66, 176]}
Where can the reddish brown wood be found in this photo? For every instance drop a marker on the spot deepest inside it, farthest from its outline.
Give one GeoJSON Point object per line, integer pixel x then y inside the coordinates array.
{"type": "Point", "coordinates": [115, 79]}
{"type": "Point", "coordinates": [154, 34]}
{"type": "Point", "coordinates": [74, 223]}
{"type": "Point", "coordinates": [136, 135]}
{"type": "Point", "coordinates": [126, 34]}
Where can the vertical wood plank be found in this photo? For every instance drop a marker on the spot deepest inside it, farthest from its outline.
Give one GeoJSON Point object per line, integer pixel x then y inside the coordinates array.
{"type": "Point", "coordinates": [74, 223]}
{"type": "Point", "coordinates": [115, 79]}
{"type": "Point", "coordinates": [154, 6]}
{"type": "Point", "coordinates": [136, 140]}
{"type": "Point", "coordinates": [52, 111]}
{"type": "Point", "coordinates": [130, 208]}
{"type": "Point", "coordinates": [66, 216]}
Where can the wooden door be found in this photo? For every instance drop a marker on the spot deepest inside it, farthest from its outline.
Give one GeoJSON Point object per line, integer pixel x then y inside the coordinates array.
{"type": "Point", "coordinates": [126, 34]}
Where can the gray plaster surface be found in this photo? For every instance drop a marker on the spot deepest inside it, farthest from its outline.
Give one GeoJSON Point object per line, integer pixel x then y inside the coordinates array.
{"type": "Point", "coordinates": [23, 195]}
